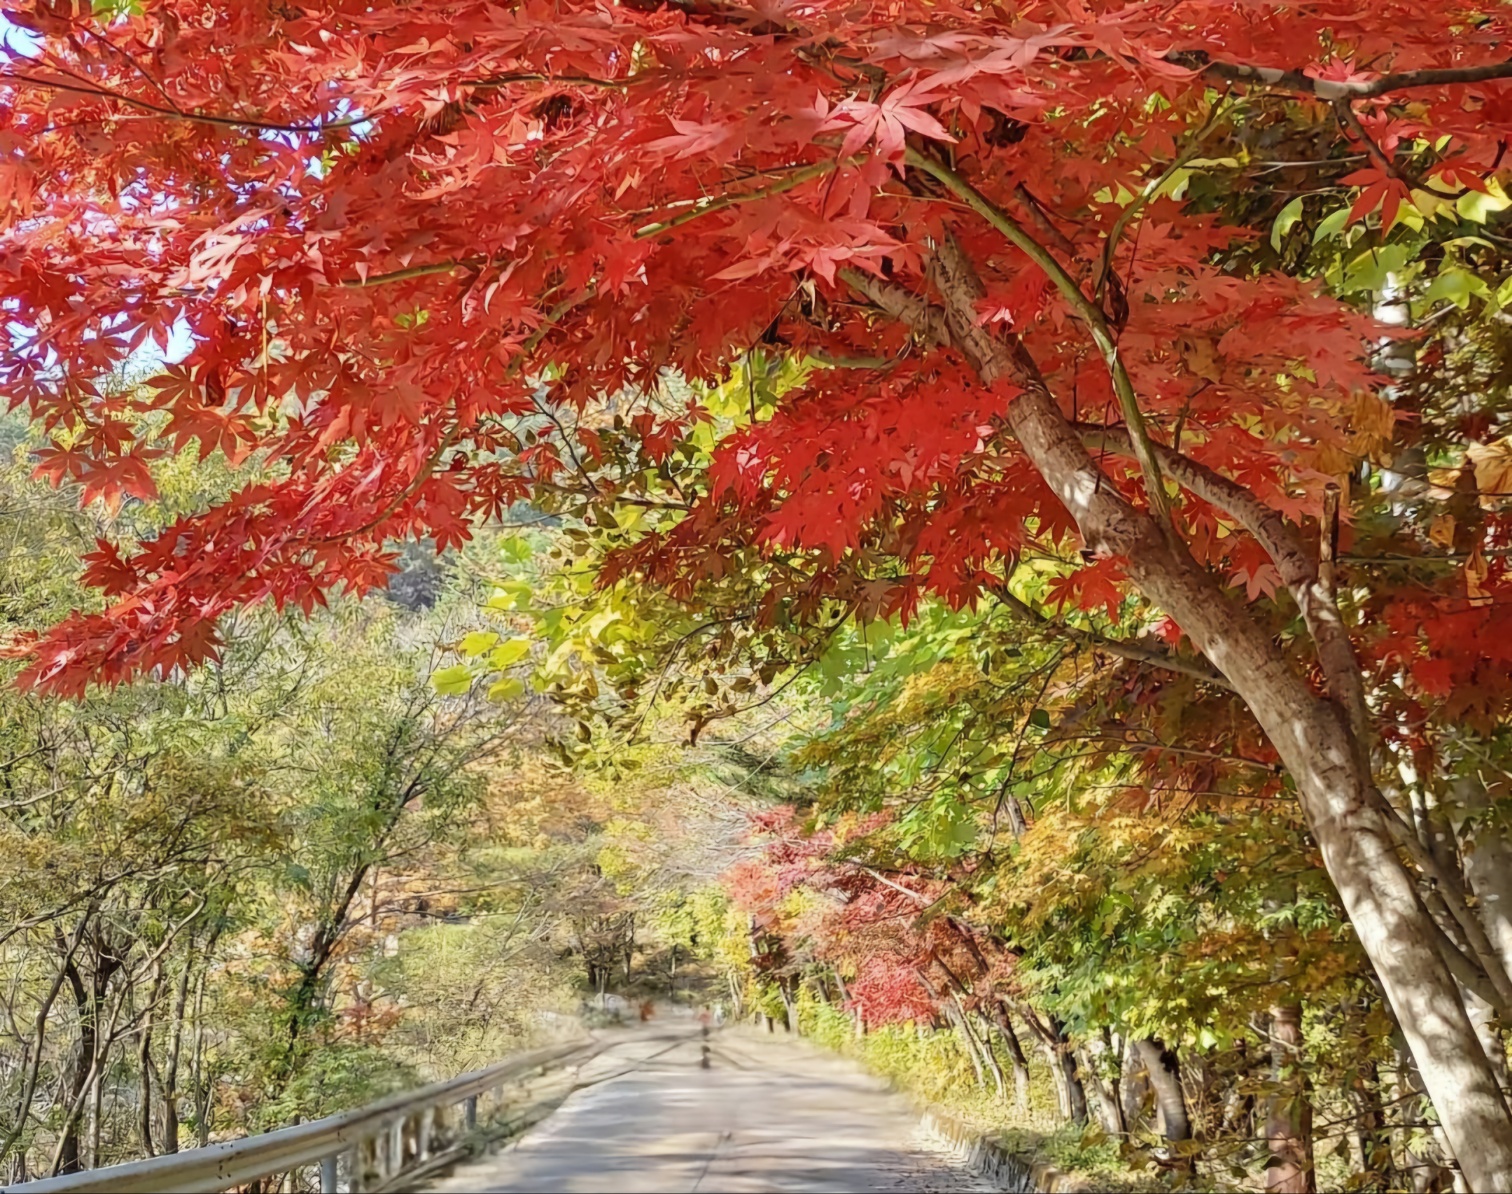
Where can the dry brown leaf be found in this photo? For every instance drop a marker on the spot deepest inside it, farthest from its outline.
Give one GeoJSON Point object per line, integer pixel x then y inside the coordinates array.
{"type": "Point", "coordinates": [1373, 422]}
{"type": "Point", "coordinates": [1476, 570]}
{"type": "Point", "coordinates": [1201, 357]}
{"type": "Point", "coordinates": [1493, 470]}
{"type": "Point", "coordinates": [1441, 531]}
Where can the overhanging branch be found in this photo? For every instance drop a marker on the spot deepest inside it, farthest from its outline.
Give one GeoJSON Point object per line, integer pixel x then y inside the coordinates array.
{"type": "Point", "coordinates": [1136, 652]}
{"type": "Point", "coordinates": [1295, 564]}
{"type": "Point", "coordinates": [1334, 89]}
{"type": "Point", "coordinates": [1089, 312]}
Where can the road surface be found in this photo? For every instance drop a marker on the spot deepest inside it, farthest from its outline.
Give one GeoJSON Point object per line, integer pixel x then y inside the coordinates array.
{"type": "Point", "coordinates": [769, 1114]}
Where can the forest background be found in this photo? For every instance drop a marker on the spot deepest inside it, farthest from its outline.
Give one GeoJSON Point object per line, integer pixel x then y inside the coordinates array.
{"type": "Point", "coordinates": [1003, 562]}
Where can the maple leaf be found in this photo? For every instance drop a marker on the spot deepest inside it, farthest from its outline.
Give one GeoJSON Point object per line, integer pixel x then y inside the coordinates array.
{"type": "Point", "coordinates": [692, 138]}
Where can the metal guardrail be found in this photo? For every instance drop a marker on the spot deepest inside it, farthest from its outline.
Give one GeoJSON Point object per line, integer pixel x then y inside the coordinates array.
{"type": "Point", "coordinates": [366, 1150]}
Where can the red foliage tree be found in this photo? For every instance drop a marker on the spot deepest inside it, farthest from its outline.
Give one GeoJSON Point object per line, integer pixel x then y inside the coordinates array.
{"type": "Point", "coordinates": [893, 933]}
{"type": "Point", "coordinates": [387, 228]}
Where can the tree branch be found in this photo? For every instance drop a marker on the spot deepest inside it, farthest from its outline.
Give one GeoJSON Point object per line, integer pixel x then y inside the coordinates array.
{"type": "Point", "coordinates": [1345, 114]}
{"type": "Point", "coordinates": [1198, 669]}
{"type": "Point", "coordinates": [247, 122]}
{"type": "Point", "coordinates": [1296, 565]}
{"type": "Point", "coordinates": [796, 179]}
{"type": "Point", "coordinates": [1333, 89]}
{"type": "Point", "coordinates": [1142, 200]}
{"type": "Point", "coordinates": [927, 320]}
{"type": "Point", "coordinates": [1091, 314]}
{"type": "Point", "coordinates": [418, 271]}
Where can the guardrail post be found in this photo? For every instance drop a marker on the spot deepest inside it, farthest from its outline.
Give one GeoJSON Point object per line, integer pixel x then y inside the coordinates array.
{"type": "Point", "coordinates": [328, 1175]}
{"type": "Point", "coordinates": [427, 1128]}
{"type": "Point", "coordinates": [471, 1112]}
{"type": "Point", "coordinates": [357, 1168]}
{"type": "Point", "coordinates": [396, 1148]}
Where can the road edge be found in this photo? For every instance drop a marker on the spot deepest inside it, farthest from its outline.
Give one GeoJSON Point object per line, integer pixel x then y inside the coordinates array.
{"type": "Point", "coordinates": [1012, 1172]}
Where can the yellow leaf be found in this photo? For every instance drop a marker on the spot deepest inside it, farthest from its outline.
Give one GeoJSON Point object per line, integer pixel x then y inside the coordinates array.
{"type": "Point", "coordinates": [1373, 420]}
{"type": "Point", "coordinates": [1476, 569]}
{"type": "Point", "coordinates": [1432, 206]}
{"type": "Point", "coordinates": [506, 689]}
{"type": "Point", "coordinates": [1441, 531]}
{"type": "Point", "coordinates": [509, 653]}
{"type": "Point", "coordinates": [1493, 470]}
{"type": "Point", "coordinates": [477, 642]}
{"type": "Point", "coordinates": [1201, 357]}
{"type": "Point", "coordinates": [1478, 207]}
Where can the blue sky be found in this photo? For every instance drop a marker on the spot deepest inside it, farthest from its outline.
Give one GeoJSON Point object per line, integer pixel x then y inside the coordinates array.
{"type": "Point", "coordinates": [16, 43]}
{"type": "Point", "coordinates": [21, 43]}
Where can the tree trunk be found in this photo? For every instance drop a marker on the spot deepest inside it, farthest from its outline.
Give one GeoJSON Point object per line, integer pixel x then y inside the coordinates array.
{"type": "Point", "coordinates": [1486, 846]}
{"type": "Point", "coordinates": [1314, 736]}
{"type": "Point", "coordinates": [968, 1044]}
{"type": "Point", "coordinates": [1288, 1121]}
{"type": "Point", "coordinates": [1370, 1140]}
{"type": "Point", "coordinates": [1076, 1092]}
{"type": "Point", "coordinates": [1164, 1076]}
{"type": "Point", "coordinates": [1138, 1094]}
{"type": "Point", "coordinates": [203, 1082]}
{"type": "Point", "coordinates": [171, 1063]}
{"type": "Point", "coordinates": [989, 1055]}
{"type": "Point", "coordinates": [81, 1066]}
{"type": "Point", "coordinates": [144, 1062]}
{"type": "Point", "coordinates": [1111, 1060]}
{"type": "Point", "coordinates": [1109, 1114]}
{"type": "Point", "coordinates": [1015, 1056]}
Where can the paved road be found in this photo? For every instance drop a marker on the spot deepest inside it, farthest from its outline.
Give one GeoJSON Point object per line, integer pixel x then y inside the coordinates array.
{"type": "Point", "coordinates": [767, 1115]}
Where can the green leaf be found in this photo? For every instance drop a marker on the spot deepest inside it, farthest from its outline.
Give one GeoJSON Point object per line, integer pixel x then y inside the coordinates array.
{"type": "Point", "coordinates": [1286, 219]}
{"type": "Point", "coordinates": [1331, 224]}
{"type": "Point", "coordinates": [516, 548]}
{"type": "Point", "coordinates": [477, 642]}
{"type": "Point", "coordinates": [506, 689]}
{"type": "Point", "coordinates": [509, 653]}
{"type": "Point", "coordinates": [1040, 719]}
{"type": "Point", "coordinates": [452, 681]}
{"type": "Point", "coordinates": [511, 594]}
{"type": "Point", "coordinates": [1478, 208]}
{"type": "Point", "coordinates": [1456, 286]}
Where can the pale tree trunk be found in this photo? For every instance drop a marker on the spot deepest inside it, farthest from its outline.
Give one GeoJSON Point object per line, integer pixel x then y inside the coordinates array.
{"type": "Point", "coordinates": [1163, 1073]}
{"type": "Point", "coordinates": [989, 1055]}
{"type": "Point", "coordinates": [1487, 850]}
{"type": "Point", "coordinates": [1076, 1090]}
{"type": "Point", "coordinates": [1136, 1090]}
{"type": "Point", "coordinates": [1288, 1121]}
{"type": "Point", "coordinates": [1109, 1113]}
{"type": "Point", "coordinates": [1062, 1062]}
{"type": "Point", "coordinates": [968, 1044]}
{"type": "Point", "coordinates": [1316, 738]}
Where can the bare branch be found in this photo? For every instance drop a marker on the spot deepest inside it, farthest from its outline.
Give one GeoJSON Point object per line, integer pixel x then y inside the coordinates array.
{"type": "Point", "coordinates": [1198, 669]}
{"type": "Point", "coordinates": [1333, 89]}
{"type": "Point", "coordinates": [246, 122]}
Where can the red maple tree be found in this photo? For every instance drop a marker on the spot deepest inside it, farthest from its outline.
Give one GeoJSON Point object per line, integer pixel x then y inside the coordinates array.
{"type": "Point", "coordinates": [400, 238]}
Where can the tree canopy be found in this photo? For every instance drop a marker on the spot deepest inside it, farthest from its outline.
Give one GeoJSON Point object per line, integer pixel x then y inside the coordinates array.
{"type": "Point", "coordinates": [1102, 314]}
